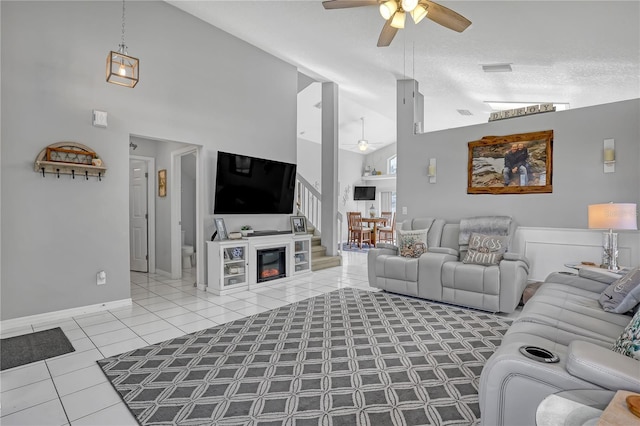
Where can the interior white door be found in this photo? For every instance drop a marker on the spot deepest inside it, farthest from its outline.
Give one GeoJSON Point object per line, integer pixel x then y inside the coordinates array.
{"type": "Point", "coordinates": [138, 216]}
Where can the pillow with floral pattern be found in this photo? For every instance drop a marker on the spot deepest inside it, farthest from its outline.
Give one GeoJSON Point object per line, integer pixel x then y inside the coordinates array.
{"type": "Point", "coordinates": [629, 341]}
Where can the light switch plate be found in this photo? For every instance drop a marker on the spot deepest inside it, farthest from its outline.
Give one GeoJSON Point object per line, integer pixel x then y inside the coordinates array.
{"type": "Point", "coordinates": [99, 118]}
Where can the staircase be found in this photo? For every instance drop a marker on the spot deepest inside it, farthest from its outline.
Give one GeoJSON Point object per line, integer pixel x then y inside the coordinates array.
{"type": "Point", "coordinates": [309, 205]}
{"type": "Point", "coordinates": [319, 258]}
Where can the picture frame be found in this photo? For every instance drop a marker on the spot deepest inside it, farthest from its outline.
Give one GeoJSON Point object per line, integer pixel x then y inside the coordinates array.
{"type": "Point", "coordinates": [298, 224]}
{"type": "Point", "coordinates": [530, 154]}
{"type": "Point", "coordinates": [162, 183]}
{"type": "Point", "coordinates": [221, 228]}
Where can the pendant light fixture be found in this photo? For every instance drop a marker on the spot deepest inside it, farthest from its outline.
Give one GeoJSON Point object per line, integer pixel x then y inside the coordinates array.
{"type": "Point", "coordinates": [363, 144]}
{"type": "Point", "coordinates": [122, 69]}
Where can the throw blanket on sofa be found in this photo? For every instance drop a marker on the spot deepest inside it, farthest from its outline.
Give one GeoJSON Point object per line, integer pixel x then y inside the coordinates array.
{"type": "Point", "coordinates": [488, 225]}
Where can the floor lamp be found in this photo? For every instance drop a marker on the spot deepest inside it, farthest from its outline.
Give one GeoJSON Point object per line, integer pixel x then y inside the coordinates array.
{"type": "Point", "coordinates": [612, 216]}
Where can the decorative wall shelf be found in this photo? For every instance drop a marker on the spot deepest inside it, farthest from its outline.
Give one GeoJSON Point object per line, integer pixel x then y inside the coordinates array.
{"type": "Point", "coordinates": [379, 177]}
{"type": "Point", "coordinates": [70, 158]}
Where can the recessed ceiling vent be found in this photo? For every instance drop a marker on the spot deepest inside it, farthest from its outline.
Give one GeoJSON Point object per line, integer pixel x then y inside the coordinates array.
{"type": "Point", "coordinates": [464, 112]}
{"type": "Point", "coordinates": [497, 68]}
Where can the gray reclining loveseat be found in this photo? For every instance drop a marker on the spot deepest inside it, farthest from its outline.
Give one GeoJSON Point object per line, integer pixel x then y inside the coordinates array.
{"type": "Point", "coordinates": [441, 273]}
{"type": "Point", "coordinates": [565, 319]}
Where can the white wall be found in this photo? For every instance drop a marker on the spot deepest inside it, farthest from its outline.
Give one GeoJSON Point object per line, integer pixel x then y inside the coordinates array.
{"type": "Point", "coordinates": [198, 85]}
{"type": "Point", "coordinates": [378, 159]}
{"type": "Point", "coordinates": [578, 178]}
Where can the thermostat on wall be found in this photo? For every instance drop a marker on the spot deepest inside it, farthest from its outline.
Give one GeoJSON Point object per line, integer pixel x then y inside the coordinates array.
{"type": "Point", "coordinates": [99, 118]}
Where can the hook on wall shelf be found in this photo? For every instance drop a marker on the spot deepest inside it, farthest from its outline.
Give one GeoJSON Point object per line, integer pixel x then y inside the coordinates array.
{"type": "Point", "coordinates": [67, 158]}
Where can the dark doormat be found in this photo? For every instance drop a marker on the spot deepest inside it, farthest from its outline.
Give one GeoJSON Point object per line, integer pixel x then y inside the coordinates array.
{"type": "Point", "coordinates": [32, 347]}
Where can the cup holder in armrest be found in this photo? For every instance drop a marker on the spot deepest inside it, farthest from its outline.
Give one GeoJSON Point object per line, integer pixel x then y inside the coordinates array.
{"type": "Point", "coordinates": [539, 354]}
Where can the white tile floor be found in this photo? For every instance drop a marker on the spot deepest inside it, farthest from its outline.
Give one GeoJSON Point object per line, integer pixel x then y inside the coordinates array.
{"type": "Point", "coordinates": [72, 390]}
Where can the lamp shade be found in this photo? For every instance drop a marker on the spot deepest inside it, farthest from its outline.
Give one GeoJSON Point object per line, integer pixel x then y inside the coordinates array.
{"type": "Point", "coordinates": [613, 216]}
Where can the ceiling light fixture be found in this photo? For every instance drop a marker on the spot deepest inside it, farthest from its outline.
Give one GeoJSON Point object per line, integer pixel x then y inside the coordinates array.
{"type": "Point", "coordinates": [363, 144]}
{"type": "Point", "coordinates": [420, 12]}
{"type": "Point", "coordinates": [388, 8]}
{"type": "Point", "coordinates": [409, 5]}
{"type": "Point", "coordinates": [122, 69]}
{"type": "Point", "coordinates": [398, 19]}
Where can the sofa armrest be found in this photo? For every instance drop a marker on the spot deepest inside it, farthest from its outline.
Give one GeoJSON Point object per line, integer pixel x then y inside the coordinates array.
{"type": "Point", "coordinates": [598, 274]}
{"type": "Point", "coordinates": [514, 275]}
{"type": "Point", "coordinates": [603, 367]}
{"type": "Point", "coordinates": [387, 246]}
{"type": "Point", "coordinates": [444, 250]}
{"type": "Point", "coordinates": [372, 256]}
{"type": "Point", "coordinates": [517, 256]}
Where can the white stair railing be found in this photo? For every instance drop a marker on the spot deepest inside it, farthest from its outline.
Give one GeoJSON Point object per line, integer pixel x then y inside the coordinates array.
{"type": "Point", "coordinates": [308, 201]}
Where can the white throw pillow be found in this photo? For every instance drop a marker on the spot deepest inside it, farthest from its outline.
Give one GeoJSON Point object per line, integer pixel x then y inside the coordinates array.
{"type": "Point", "coordinates": [412, 243]}
{"type": "Point", "coordinates": [486, 249]}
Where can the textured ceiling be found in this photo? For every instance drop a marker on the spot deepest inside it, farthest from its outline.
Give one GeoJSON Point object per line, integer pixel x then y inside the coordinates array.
{"type": "Point", "coordinates": [577, 52]}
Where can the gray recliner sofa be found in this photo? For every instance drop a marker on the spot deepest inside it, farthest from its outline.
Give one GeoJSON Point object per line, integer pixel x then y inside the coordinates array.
{"type": "Point", "coordinates": [565, 319]}
{"type": "Point", "coordinates": [441, 275]}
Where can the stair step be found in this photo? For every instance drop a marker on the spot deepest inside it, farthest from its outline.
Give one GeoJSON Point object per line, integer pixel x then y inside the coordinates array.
{"type": "Point", "coordinates": [316, 240]}
{"type": "Point", "coordinates": [325, 262]}
{"type": "Point", "coordinates": [318, 251]}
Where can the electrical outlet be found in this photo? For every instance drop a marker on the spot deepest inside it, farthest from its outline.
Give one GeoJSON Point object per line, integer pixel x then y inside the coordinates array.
{"type": "Point", "coordinates": [101, 278]}
{"type": "Point", "coordinates": [404, 210]}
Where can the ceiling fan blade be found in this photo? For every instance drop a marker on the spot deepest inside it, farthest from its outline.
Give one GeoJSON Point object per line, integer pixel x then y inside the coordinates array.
{"type": "Point", "coordinates": [343, 4]}
{"type": "Point", "coordinates": [447, 17]}
{"type": "Point", "coordinates": [387, 34]}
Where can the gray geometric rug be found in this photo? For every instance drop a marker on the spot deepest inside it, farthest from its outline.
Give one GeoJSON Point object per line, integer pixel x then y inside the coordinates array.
{"type": "Point", "coordinates": [349, 357]}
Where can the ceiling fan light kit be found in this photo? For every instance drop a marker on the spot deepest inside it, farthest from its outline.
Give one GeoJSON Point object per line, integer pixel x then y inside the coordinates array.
{"type": "Point", "coordinates": [394, 12]}
{"type": "Point", "coordinates": [388, 8]}
{"type": "Point", "coordinates": [419, 13]}
{"type": "Point", "coordinates": [398, 19]}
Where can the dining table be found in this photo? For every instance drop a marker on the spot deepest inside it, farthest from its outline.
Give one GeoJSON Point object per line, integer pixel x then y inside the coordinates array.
{"type": "Point", "coordinates": [375, 221]}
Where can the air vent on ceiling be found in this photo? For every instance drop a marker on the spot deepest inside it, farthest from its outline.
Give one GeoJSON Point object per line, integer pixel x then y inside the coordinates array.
{"type": "Point", "coordinates": [497, 68]}
{"type": "Point", "coordinates": [464, 112]}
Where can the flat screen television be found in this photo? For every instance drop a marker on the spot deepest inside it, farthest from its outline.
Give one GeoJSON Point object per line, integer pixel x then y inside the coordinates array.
{"type": "Point", "coordinates": [364, 193]}
{"type": "Point", "coordinates": [250, 185]}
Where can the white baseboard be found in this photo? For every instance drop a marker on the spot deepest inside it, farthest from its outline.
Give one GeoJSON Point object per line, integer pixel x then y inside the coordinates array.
{"type": "Point", "coordinates": [163, 273]}
{"type": "Point", "coordinates": [63, 314]}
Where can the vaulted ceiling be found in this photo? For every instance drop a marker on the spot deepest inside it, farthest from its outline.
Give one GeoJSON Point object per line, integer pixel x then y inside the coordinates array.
{"type": "Point", "coordinates": [580, 53]}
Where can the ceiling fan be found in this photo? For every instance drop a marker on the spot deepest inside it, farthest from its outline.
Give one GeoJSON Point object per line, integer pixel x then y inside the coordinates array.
{"type": "Point", "coordinates": [394, 12]}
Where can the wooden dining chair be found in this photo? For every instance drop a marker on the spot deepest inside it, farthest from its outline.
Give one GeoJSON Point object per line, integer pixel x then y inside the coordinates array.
{"type": "Point", "coordinates": [360, 233]}
{"type": "Point", "coordinates": [387, 233]}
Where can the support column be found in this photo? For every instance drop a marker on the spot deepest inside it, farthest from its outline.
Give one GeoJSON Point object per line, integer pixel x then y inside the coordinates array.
{"type": "Point", "coordinates": [329, 167]}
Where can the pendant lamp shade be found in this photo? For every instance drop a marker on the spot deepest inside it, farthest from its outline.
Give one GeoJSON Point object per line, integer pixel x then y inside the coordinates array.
{"type": "Point", "coordinates": [363, 144]}
{"type": "Point", "coordinates": [122, 69]}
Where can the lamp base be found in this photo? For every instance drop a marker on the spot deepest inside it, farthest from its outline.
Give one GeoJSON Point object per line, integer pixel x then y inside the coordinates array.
{"type": "Point", "coordinates": [610, 250]}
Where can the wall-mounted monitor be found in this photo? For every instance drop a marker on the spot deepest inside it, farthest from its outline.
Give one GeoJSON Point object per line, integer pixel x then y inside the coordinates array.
{"type": "Point", "coordinates": [364, 193]}
{"type": "Point", "coordinates": [249, 185]}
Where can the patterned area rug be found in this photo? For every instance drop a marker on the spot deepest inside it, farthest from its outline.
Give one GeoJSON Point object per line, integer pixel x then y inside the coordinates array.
{"type": "Point", "coordinates": [349, 357]}
{"type": "Point", "coordinates": [354, 247]}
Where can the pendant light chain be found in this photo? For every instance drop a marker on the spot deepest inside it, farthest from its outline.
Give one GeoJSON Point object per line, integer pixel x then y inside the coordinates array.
{"type": "Point", "coordinates": [123, 46]}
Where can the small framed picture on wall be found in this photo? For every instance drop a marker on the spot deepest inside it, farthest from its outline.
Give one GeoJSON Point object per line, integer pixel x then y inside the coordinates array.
{"type": "Point", "coordinates": [162, 183]}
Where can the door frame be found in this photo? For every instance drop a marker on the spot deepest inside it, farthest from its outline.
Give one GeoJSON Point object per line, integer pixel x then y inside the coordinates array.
{"type": "Point", "coordinates": [176, 213]}
{"type": "Point", "coordinates": [151, 210]}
